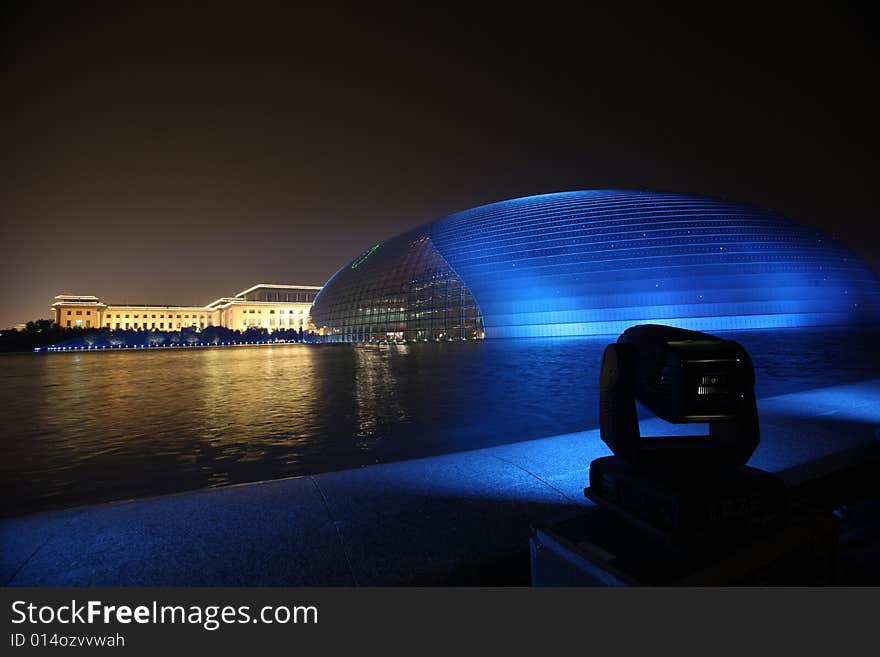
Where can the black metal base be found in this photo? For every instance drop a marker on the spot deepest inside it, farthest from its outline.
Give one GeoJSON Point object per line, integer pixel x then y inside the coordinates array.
{"type": "Point", "coordinates": [686, 508]}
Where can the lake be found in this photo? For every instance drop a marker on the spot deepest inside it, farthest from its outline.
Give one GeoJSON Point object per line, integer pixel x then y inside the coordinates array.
{"type": "Point", "coordinates": [85, 427]}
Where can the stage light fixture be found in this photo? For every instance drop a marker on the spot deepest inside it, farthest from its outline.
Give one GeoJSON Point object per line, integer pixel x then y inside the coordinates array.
{"type": "Point", "coordinates": [682, 376]}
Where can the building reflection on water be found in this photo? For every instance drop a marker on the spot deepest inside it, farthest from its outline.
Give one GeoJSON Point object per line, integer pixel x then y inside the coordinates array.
{"type": "Point", "coordinates": [86, 427]}
{"type": "Point", "coordinates": [377, 392]}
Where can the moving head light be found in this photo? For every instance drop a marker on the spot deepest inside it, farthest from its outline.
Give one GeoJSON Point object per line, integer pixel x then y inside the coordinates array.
{"type": "Point", "coordinates": [682, 509]}
{"type": "Point", "coordinates": [682, 376]}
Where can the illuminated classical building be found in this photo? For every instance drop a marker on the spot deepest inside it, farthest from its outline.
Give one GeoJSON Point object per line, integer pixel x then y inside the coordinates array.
{"type": "Point", "coordinates": [596, 262]}
{"type": "Point", "coordinates": [273, 307]}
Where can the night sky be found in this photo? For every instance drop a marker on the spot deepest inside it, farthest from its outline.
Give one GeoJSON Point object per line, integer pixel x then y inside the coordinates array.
{"type": "Point", "coordinates": [155, 153]}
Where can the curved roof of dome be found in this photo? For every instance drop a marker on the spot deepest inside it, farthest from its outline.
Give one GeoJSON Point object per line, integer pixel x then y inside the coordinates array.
{"type": "Point", "coordinates": [597, 262]}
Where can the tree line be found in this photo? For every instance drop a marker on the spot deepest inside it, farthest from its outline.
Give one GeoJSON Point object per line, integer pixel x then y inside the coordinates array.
{"type": "Point", "coordinates": [46, 333]}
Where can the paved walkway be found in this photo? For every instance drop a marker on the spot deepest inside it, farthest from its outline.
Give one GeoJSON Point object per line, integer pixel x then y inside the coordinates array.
{"type": "Point", "coordinates": [457, 518]}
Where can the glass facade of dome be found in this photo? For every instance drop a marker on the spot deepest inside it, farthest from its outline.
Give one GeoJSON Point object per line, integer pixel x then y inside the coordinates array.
{"type": "Point", "coordinates": [401, 290]}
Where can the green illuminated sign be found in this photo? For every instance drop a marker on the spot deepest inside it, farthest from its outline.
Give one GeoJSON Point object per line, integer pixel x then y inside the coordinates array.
{"type": "Point", "coordinates": [357, 263]}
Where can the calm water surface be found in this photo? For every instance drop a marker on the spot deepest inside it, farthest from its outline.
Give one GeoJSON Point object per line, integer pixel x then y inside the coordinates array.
{"type": "Point", "coordinates": [85, 427]}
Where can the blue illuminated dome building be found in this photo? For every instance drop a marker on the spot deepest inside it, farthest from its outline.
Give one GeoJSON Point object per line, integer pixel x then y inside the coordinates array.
{"type": "Point", "coordinates": [595, 262]}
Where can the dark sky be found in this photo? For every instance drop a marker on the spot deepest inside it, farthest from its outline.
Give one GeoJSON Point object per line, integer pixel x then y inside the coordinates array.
{"type": "Point", "coordinates": [165, 154]}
